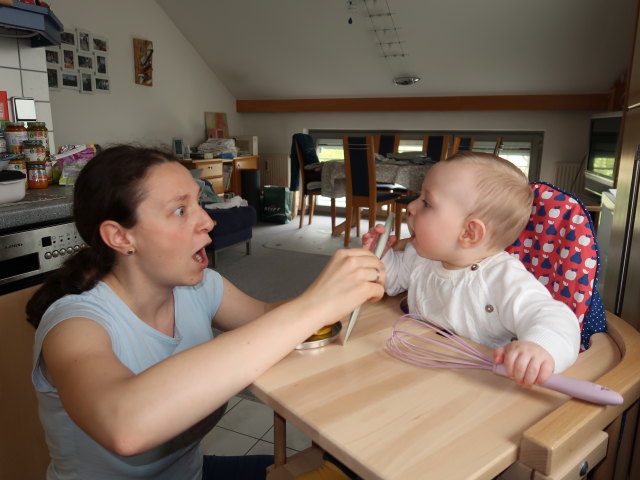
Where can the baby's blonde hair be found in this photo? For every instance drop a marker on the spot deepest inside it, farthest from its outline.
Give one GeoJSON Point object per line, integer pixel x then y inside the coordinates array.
{"type": "Point", "coordinates": [504, 197]}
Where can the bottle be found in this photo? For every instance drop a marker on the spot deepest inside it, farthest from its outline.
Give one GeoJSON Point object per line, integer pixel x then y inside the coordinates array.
{"type": "Point", "coordinates": [3, 143]}
{"type": "Point", "coordinates": [34, 151]}
{"type": "Point", "coordinates": [15, 133]}
{"type": "Point", "coordinates": [37, 175]}
{"type": "Point", "coordinates": [38, 131]}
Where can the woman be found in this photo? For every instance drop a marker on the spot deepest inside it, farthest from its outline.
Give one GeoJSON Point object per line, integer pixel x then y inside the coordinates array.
{"type": "Point", "coordinates": [127, 373]}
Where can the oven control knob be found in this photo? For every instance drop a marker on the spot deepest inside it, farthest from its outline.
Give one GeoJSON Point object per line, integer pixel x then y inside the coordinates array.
{"type": "Point", "coordinates": [63, 252]}
{"type": "Point", "coordinates": [55, 254]}
{"type": "Point", "coordinates": [69, 250]}
{"type": "Point", "coordinates": [48, 255]}
{"type": "Point", "coordinates": [76, 248]}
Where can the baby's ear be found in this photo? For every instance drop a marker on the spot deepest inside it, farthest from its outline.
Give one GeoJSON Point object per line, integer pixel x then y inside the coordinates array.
{"type": "Point", "coordinates": [474, 232]}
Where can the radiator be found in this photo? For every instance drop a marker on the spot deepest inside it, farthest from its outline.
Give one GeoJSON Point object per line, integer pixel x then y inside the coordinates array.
{"type": "Point", "coordinates": [569, 177]}
{"type": "Point", "coordinates": [275, 169]}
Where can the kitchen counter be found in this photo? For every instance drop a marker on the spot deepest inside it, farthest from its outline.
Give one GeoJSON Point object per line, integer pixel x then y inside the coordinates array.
{"type": "Point", "coordinates": [38, 206]}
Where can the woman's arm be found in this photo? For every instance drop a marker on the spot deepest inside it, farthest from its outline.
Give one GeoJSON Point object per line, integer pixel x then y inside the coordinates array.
{"type": "Point", "coordinates": [237, 308]}
{"type": "Point", "coordinates": [130, 414]}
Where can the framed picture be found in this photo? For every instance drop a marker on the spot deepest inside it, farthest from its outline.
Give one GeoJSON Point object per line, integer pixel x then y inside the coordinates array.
{"type": "Point", "coordinates": [84, 41]}
{"type": "Point", "coordinates": [69, 59]}
{"type": "Point", "coordinates": [53, 77]}
{"type": "Point", "coordinates": [177, 147]}
{"type": "Point", "coordinates": [100, 45]}
{"type": "Point", "coordinates": [52, 55]}
{"type": "Point", "coordinates": [101, 64]}
{"type": "Point", "coordinates": [85, 62]}
{"type": "Point", "coordinates": [102, 84]}
{"type": "Point", "coordinates": [86, 82]}
{"type": "Point", "coordinates": [143, 62]}
{"type": "Point", "coordinates": [68, 39]}
{"type": "Point", "coordinates": [69, 80]}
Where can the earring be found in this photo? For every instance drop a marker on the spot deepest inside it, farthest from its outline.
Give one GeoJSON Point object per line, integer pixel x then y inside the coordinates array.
{"type": "Point", "coordinates": [130, 252]}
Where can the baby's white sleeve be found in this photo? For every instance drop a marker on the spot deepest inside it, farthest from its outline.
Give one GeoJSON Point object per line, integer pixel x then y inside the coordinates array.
{"type": "Point", "coordinates": [397, 265]}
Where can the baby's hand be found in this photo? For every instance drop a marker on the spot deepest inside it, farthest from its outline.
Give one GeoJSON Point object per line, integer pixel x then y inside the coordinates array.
{"type": "Point", "coordinates": [370, 239]}
{"type": "Point", "coordinates": [526, 363]}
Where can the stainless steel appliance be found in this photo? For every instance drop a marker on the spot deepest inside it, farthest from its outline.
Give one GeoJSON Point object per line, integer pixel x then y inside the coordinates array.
{"type": "Point", "coordinates": [29, 254]}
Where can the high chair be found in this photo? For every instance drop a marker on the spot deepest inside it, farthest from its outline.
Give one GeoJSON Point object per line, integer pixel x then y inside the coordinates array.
{"type": "Point", "coordinates": [559, 247]}
{"type": "Point", "coordinates": [570, 439]}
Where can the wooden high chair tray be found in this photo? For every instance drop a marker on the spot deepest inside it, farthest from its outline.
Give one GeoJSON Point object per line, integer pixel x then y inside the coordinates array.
{"type": "Point", "coordinates": [384, 418]}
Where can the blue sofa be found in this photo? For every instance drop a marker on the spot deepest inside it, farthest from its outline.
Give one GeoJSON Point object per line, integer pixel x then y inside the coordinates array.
{"type": "Point", "coordinates": [233, 226]}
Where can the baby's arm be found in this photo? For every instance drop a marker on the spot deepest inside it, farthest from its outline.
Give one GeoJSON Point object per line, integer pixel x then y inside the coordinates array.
{"type": "Point", "coordinates": [525, 362]}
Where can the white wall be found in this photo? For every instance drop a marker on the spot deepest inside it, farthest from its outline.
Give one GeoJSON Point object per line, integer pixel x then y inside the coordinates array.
{"type": "Point", "coordinates": [565, 133]}
{"type": "Point", "coordinates": [184, 87]}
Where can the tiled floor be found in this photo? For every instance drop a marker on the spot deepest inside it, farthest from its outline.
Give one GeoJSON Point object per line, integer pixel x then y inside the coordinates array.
{"type": "Point", "coordinates": [247, 429]}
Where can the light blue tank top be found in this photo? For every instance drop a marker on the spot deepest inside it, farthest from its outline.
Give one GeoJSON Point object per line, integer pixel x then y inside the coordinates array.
{"type": "Point", "coordinates": [75, 455]}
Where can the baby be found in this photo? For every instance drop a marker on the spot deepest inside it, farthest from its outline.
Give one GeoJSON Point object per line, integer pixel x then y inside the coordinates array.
{"type": "Point", "coordinates": [471, 207]}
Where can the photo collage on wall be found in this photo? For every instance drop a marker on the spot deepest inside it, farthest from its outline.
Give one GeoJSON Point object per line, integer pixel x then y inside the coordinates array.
{"type": "Point", "coordinates": [80, 63]}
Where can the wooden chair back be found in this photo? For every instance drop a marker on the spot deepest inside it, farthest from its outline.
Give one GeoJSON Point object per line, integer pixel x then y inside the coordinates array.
{"type": "Point", "coordinates": [461, 144]}
{"type": "Point", "coordinates": [436, 146]}
{"type": "Point", "coordinates": [386, 144]}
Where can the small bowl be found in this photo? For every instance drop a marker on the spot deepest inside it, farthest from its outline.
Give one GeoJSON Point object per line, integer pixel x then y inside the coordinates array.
{"type": "Point", "coordinates": [12, 190]}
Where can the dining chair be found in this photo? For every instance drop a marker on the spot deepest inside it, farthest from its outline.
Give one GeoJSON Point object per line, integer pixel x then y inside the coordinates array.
{"type": "Point", "coordinates": [386, 144]}
{"type": "Point", "coordinates": [498, 146]}
{"type": "Point", "coordinates": [461, 144]}
{"type": "Point", "coordinates": [436, 146]}
{"type": "Point", "coordinates": [360, 173]}
{"type": "Point", "coordinates": [308, 188]}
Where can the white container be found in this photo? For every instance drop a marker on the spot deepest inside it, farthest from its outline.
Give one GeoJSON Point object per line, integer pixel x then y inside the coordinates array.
{"type": "Point", "coordinates": [12, 190]}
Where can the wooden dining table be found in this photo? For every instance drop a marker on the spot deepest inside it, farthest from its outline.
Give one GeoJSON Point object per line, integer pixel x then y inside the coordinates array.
{"type": "Point", "coordinates": [400, 172]}
{"type": "Point", "coordinates": [386, 419]}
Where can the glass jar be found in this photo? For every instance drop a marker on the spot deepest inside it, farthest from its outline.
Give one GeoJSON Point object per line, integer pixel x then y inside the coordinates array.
{"type": "Point", "coordinates": [37, 175]}
{"type": "Point", "coordinates": [15, 133]}
{"type": "Point", "coordinates": [38, 131]}
{"type": "Point", "coordinates": [3, 143]}
{"type": "Point", "coordinates": [34, 151]}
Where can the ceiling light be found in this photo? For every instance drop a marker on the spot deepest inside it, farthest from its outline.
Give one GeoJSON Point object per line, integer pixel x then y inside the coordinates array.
{"type": "Point", "coordinates": [406, 80]}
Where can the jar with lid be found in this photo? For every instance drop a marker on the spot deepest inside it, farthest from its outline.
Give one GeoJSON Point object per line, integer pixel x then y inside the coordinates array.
{"type": "Point", "coordinates": [34, 151]}
{"type": "Point", "coordinates": [3, 143]}
{"type": "Point", "coordinates": [15, 133]}
{"type": "Point", "coordinates": [38, 131]}
{"type": "Point", "coordinates": [37, 175]}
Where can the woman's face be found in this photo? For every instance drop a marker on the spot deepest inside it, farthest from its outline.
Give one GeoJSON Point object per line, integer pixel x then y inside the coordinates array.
{"type": "Point", "coordinates": [172, 229]}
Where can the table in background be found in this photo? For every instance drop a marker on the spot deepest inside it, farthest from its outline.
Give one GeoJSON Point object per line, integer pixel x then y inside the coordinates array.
{"type": "Point", "coordinates": [407, 174]}
{"type": "Point", "coordinates": [384, 418]}
{"type": "Point", "coordinates": [212, 171]}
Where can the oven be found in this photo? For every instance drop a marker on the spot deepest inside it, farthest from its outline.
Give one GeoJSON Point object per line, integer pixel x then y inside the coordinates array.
{"type": "Point", "coordinates": [31, 253]}
{"type": "Point", "coordinates": [28, 254]}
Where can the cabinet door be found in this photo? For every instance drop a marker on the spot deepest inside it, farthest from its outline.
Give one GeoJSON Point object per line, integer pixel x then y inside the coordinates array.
{"type": "Point", "coordinates": [633, 94]}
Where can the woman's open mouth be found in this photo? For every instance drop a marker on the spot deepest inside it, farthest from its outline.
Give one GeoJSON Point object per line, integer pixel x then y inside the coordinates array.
{"type": "Point", "coordinates": [200, 257]}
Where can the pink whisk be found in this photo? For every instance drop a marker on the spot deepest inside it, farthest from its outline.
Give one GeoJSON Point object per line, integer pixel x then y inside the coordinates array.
{"type": "Point", "coordinates": [448, 350]}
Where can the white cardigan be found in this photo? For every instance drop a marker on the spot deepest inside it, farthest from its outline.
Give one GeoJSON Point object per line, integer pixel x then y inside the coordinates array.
{"type": "Point", "coordinates": [491, 302]}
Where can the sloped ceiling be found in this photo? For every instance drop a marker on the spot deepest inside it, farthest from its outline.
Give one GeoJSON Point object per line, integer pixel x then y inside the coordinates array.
{"type": "Point", "coordinates": [287, 49]}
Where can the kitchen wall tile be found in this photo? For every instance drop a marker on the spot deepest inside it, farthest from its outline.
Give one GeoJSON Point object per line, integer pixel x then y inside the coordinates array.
{"type": "Point", "coordinates": [35, 84]}
{"type": "Point", "coordinates": [10, 82]}
{"type": "Point", "coordinates": [31, 58]}
{"type": "Point", "coordinates": [9, 53]}
{"type": "Point", "coordinates": [43, 113]}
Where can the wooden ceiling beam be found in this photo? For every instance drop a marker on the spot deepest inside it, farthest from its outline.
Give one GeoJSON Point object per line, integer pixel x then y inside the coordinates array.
{"type": "Point", "coordinates": [411, 104]}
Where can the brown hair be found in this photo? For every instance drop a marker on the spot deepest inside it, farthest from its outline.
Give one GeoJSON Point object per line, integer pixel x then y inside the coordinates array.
{"type": "Point", "coordinates": [109, 187]}
{"type": "Point", "coordinates": [503, 198]}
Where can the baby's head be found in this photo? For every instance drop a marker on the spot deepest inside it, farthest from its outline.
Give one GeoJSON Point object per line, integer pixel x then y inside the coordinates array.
{"type": "Point", "coordinates": [501, 196]}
